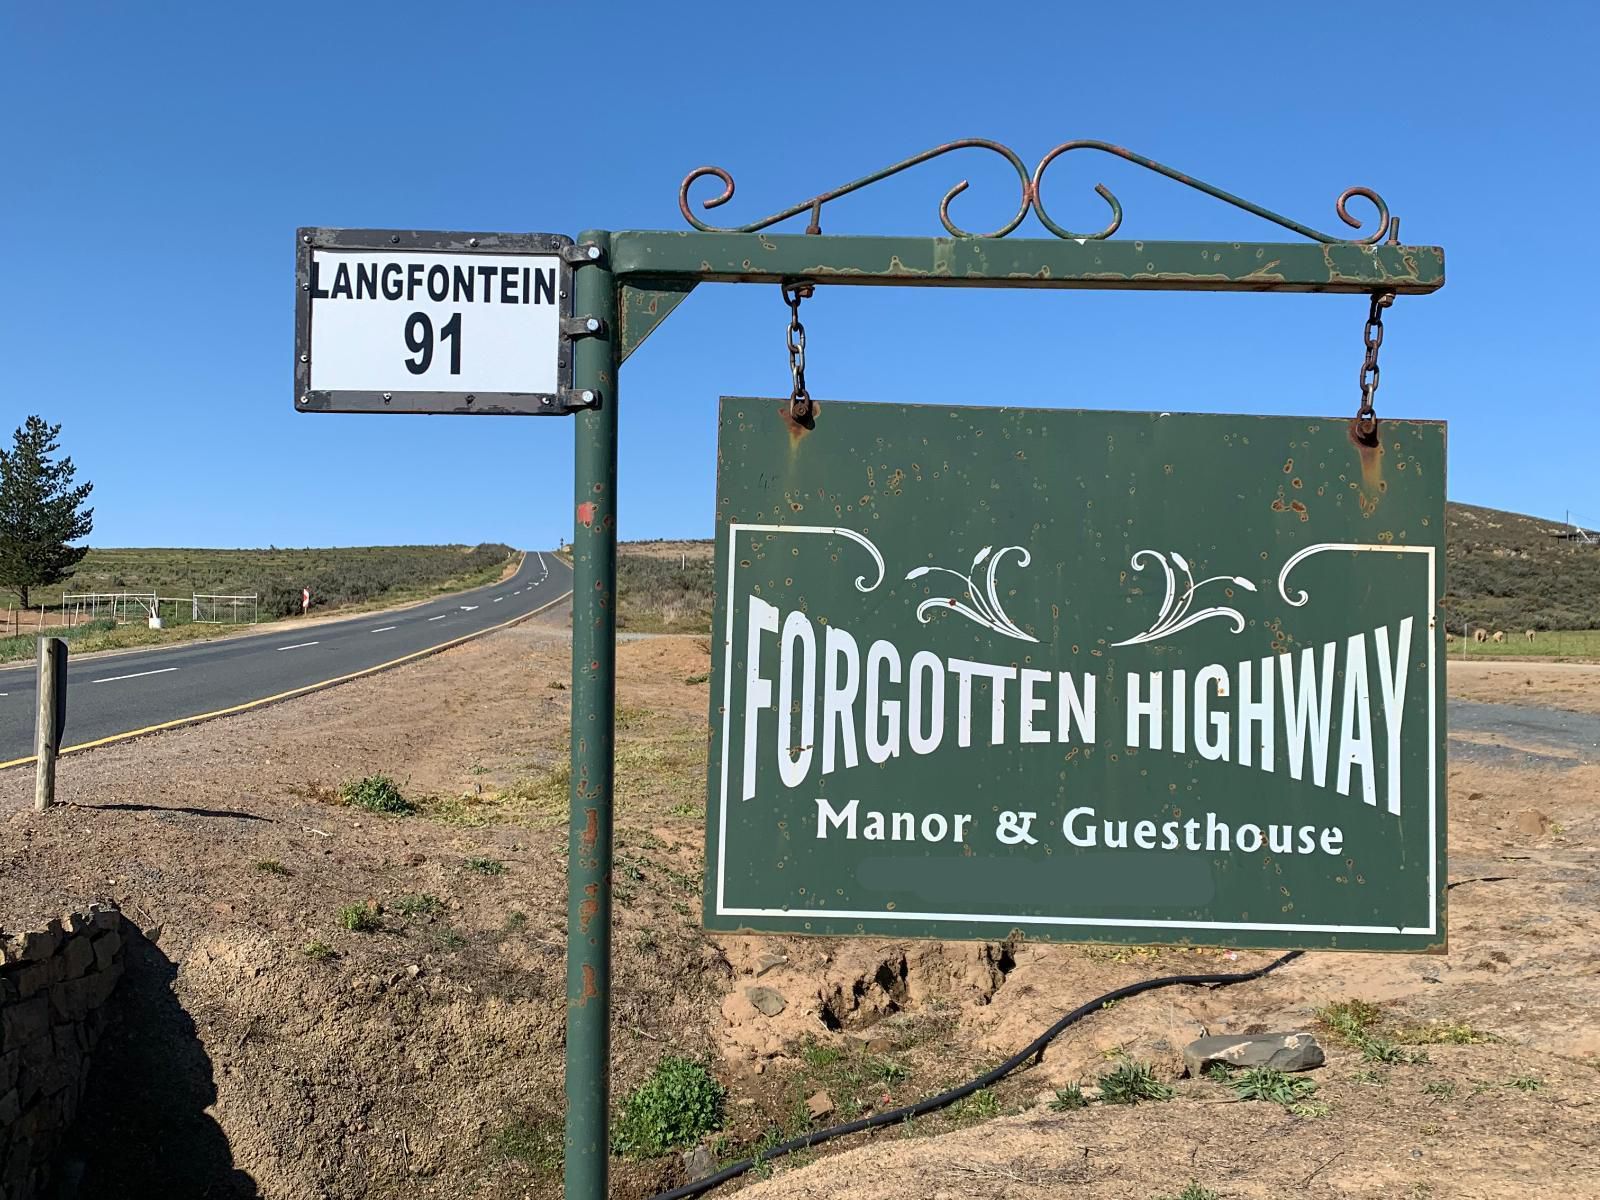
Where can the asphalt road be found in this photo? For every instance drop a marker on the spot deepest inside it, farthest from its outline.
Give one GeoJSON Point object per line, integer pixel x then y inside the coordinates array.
{"type": "Point", "coordinates": [119, 693]}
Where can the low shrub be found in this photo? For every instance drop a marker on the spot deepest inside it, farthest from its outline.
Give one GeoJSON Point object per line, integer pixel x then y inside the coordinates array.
{"type": "Point", "coordinates": [679, 1104]}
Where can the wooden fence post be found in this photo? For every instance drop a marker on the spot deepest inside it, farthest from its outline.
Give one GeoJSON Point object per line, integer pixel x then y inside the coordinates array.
{"type": "Point", "coordinates": [52, 718]}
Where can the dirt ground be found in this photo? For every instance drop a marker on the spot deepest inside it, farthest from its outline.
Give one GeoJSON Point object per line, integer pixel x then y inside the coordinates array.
{"type": "Point", "coordinates": [423, 1058]}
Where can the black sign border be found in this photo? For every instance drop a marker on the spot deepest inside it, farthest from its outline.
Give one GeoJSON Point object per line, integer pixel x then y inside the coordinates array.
{"type": "Point", "coordinates": [437, 403]}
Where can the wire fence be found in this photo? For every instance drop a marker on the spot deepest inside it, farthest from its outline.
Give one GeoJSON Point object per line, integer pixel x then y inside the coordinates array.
{"type": "Point", "coordinates": [122, 608]}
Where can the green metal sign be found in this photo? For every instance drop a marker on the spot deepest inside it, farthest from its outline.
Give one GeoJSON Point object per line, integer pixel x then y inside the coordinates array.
{"type": "Point", "coordinates": [1084, 675]}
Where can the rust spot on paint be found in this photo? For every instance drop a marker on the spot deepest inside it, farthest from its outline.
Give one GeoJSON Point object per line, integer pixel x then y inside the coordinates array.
{"type": "Point", "coordinates": [586, 514]}
{"type": "Point", "coordinates": [796, 430]}
{"type": "Point", "coordinates": [586, 911]}
{"type": "Point", "coordinates": [589, 989]}
{"type": "Point", "coordinates": [1299, 508]}
{"type": "Point", "coordinates": [591, 828]}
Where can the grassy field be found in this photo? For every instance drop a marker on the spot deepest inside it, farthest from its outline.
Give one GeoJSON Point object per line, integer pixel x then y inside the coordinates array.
{"type": "Point", "coordinates": [340, 579]}
{"type": "Point", "coordinates": [664, 587]}
{"type": "Point", "coordinates": [1547, 643]}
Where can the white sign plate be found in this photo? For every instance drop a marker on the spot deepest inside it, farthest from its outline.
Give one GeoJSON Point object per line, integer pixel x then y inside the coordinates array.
{"type": "Point", "coordinates": [431, 322]}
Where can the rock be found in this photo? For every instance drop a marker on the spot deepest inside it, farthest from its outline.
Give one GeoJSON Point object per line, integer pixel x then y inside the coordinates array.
{"type": "Point", "coordinates": [768, 961]}
{"type": "Point", "coordinates": [819, 1106]}
{"type": "Point", "coordinates": [768, 1001]}
{"type": "Point", "coordinates": [872, 1043]}
{"type": "Point", "coordinates": [699, 1163]}
{"type": "Point", "coordinates": [1533, 822]}
{"type": "Point", "coordinates": [1279, 1051]}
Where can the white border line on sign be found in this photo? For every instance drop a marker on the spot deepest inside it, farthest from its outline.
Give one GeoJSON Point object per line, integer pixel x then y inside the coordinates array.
{"type": "Point", "coordinates": [724, 909]}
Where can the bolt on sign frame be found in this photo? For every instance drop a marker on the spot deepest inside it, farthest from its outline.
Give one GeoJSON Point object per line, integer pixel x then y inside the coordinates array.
{"type": "Point", "coordinates": [626, 283]}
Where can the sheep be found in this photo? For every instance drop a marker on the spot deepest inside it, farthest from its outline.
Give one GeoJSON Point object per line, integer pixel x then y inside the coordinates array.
{"type": "Point", "coordinates": [1480, 635]}
{"type": "Point", "coordinates": [1530, 635]}
{"type": "Point", "coordinates": [1499, 635]}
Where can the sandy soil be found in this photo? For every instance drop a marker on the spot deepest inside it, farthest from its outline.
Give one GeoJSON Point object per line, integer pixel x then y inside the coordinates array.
{"type": "Point", "coordinates": [403, 1064]}
{"type": "Point", "coordinates": [1574, 686]}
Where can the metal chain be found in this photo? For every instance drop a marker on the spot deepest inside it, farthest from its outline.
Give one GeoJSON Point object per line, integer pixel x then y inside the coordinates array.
{"type": "Point", "coordinates": [1372, 335]}
{"type": "Point", "coordinates": [800, 406]}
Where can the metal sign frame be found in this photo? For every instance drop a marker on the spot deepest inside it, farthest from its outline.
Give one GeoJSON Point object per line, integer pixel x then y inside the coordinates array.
{"type": "Point", "coordinates": [626, 283]}
{"type": "Point", "coordinates": [557, 245]}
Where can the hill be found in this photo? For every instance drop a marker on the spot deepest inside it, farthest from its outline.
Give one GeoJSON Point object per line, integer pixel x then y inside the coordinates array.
{"type": "Point", "coordinates": [1509, 571]}
{"type": "Point", "coordinates": [1505, 571]}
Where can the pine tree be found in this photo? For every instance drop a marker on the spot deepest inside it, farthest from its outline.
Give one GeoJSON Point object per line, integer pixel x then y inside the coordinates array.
{"type": "Point", "coordinates": [41, 513]}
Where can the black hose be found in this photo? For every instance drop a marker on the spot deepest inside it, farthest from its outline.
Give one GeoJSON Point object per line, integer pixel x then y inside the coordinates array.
{"type": "Point", "coordinates": [1032, 1050]}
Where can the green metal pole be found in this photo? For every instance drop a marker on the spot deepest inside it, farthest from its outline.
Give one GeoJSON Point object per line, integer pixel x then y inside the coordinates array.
{"type": "Point", "coordinates": [594, 687]}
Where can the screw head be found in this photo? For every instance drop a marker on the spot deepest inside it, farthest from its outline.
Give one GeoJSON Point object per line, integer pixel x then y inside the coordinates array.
{"type": "Point", "coordinates": [388, 396]}
{"type": "Point", "coordinates": [306, 399]}
{"type": "Point", "coordinates": [592, 325]}
{"type": "Point", "coordinates": [306, 238]}
{"type": "Point", "coordinates": [305, 287]}
{"type": "Point", "coordinates": [394, 239]}
{"type": "Point", "coordinates": [594, 252]}
{"type": "Point", "coordinates": [472, 241]}
{"type": "Point", "coordinates": [588, 397]}
{"type": "Point", "coordinates": [305, 358]}
{"type": "Point", "coordinates": [471, 398]}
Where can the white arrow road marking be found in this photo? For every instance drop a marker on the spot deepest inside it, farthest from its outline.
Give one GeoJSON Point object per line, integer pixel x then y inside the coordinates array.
{"type": "Point", "coordinates": [385, 629]}
{"type": "Point", "coordinates": [440, 617]}
{"type": "Point", "coordinates": [298, 646]}
{"type": "Point", "coordinates": [469, 608]}
{"type": "Point", "coordinates": [135, 675]}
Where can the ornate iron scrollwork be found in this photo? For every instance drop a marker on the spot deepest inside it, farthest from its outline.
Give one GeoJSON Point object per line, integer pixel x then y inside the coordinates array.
{"type": "Point", "coordinates": [1032, 198]}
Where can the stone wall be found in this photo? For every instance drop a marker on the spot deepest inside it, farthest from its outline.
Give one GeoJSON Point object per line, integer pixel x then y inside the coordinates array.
{"type": "Point", "coordinates": [54, 985]}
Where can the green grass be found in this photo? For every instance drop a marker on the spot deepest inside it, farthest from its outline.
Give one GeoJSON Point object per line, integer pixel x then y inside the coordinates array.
{"type": "Point", "coordinates": [1443, 1034]}
{"type": "Point", "coordinates": [359, 918]}
{"type": "Point", "coordinates": [1382, 1050]}
{"type": "Point", "coordinates": [419, 905]}
{"type": "Point", "coordinates": [1192, 1192]}
{"type": "Point", "coordinates": [679, 1104]}
{"type": "Point", "coordinates": [376, 793]}
{"type": "Point", "coordinates": [536, 1144]}
{"type": "Point", "coordinates": [1350, 1019]}
{"type": "Point", "coordinates": [1525, 1083]}
{"type": "Point", "coordinates": [485, 866]}
{"type": "Point", "coordinates": [1130, 1083]}
{"type": "Point", "coordinates": [1292, 1092]}
{"type": "Point", "coordinates": [1069, 1098]}
{"type": "Point", "coordinates": [271, 866]}
{"type": "Point", "coordinates": [318, 950]}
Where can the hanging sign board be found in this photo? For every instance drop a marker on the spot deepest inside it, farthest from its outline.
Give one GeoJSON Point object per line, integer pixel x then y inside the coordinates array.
{"type": "Point", "coordinates": [1085, 675]}
{"type": "Point", "coordinates": [408, 322]}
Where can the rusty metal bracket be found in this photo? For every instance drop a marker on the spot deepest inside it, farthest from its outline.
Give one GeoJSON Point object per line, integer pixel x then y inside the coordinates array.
{"type": "Point", "coordinates": [577, 327]}
{"type": "Point", "coordinates": [1032, 197]}
{"type": "Point", "coordinates": [573, 400]}
{"type": "Point", "coordinates": [583, 255]}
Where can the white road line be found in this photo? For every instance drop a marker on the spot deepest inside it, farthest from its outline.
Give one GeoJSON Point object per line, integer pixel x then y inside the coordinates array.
{"type": "Point", "coordinates": [298, 646]}
{"type": "Point", "coordinates": [135, 675]}
{"type": "Point", "coordinates": [497, 599]}
{"type": "Point", "coordinates": [385, 629]}
{"type": "Point", "coordinates": [440, 617]}
{"type": "Point", "coordinates": [469, 608]}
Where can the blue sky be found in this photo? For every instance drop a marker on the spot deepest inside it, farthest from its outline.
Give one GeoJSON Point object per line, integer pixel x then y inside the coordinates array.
{"type": "Point", "coordinates": [157, 159]}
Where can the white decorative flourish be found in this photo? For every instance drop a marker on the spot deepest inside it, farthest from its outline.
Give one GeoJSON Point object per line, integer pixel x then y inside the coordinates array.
{"type": "Point", "coordinates": [985, 608]}
{"type": "Point", "coordinates": [1294, 561]}
{"type": "Point", "coordinates": [1175, 614]}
